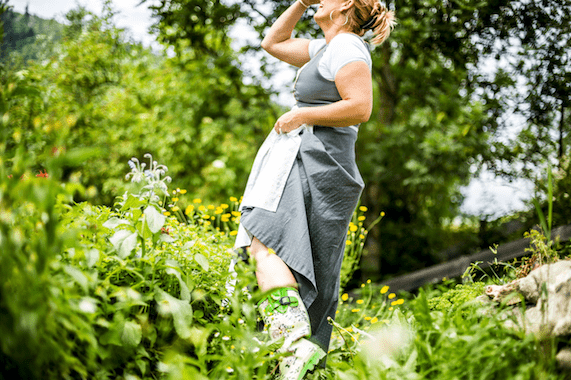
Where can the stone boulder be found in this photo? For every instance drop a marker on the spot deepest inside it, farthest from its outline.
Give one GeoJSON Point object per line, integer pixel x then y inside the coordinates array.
{"type": "Point", "coordinates": [547, 294]}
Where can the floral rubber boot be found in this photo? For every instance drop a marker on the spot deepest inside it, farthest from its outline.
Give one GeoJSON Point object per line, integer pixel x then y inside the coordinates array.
{"type": "Point", "coordinates": [285, 316]}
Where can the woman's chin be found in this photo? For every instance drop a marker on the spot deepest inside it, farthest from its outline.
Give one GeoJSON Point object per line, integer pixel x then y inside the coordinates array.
{"type": "Point", "coordinates": [318, 16]}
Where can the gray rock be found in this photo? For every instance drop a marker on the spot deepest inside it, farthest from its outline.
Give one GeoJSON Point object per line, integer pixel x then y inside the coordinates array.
{"type": "Point", "coordinates": [549, 287]}
{"type": "Point", "coordinates": [547, 292]}
{"type": "Point", "coordinates": [564, 359]}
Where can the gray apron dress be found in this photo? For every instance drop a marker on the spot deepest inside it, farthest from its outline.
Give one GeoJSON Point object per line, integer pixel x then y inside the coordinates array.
{"type": "Point", "coordinates": [308, 230]}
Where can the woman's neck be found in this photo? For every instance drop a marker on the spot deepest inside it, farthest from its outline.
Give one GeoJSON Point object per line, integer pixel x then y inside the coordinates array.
{"type": "Point", "coordinates": [334, 31]}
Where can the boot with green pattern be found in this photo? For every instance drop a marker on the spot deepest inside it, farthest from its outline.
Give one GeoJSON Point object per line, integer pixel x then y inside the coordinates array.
{"type": "Point", "coordinates": [285, 317]}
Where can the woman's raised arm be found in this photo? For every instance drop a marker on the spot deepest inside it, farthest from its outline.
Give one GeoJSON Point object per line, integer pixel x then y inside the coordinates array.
{"type": "Point", "coordinates": [278, 41]}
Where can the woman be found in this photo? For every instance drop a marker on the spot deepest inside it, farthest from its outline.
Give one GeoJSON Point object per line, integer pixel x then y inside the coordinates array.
{"type": "Point", "coordinates": [304, 184]}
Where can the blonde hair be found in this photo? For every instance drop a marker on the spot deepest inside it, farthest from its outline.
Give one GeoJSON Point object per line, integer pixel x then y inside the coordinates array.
{"type": "Point", "coordinates": [371, 14]}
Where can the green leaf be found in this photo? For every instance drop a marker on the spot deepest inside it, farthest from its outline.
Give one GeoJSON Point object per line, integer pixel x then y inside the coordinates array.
{"type": "Point", "coordinates": [78, 276]}
{"type": "Point", "coordinates": [166, 238]}
{"type": "Point", "coordinates": [202, 261]}
{"type": "Point", "coordinates": [155, 220]}
{"type": "Point", "coordinates": [124, 242]}
{"type": "Point", "coordinates": [115, 222]}
{"type": "Point", "coordinates": [132, 334]}
{"type": "Point", "coordinates": [180, 310]}
{"type": "Point", "coordinates": [132, 202]}
{"type": "Point", "coordinates": [184, 292]}
{"type": "Point", "coordinates": [92, 257]}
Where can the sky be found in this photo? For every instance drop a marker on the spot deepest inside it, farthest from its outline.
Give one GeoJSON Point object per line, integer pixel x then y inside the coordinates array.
{"type": "Point", "coordinates": [485, 195]}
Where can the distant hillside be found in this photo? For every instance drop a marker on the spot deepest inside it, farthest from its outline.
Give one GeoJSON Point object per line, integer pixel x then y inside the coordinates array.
{"type": "Point", "coordinates": [28, 37]}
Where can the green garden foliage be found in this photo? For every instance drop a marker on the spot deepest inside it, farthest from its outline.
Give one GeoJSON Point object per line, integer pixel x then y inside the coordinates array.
{"type": "Point", "coordinates": [133, 292]}
{"type": "Point", "coordinates": [107, 278]}
{"type": "Point", "coordinates": [102, 92]}
{"type": "Point", "coordinates": [457, 296]}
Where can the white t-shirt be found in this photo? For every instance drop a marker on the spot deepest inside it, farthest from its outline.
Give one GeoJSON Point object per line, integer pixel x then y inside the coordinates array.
{"type": "Point", "coordinates": [344, 48]}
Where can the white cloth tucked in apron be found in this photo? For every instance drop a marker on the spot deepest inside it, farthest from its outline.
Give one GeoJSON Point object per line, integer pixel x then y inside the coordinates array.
{"type": "Point", "coordinates": [268, 177]}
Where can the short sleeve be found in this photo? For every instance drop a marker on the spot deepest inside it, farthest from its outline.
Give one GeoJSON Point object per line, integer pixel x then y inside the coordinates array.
{"type": "Point", "coordinates": [315, 46]}
{"type": "Point", "coordinates": [342, 50]}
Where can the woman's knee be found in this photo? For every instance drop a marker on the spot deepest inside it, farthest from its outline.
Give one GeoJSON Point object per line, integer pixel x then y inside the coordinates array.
{"type": "Point", "coordinates": [258, 250]}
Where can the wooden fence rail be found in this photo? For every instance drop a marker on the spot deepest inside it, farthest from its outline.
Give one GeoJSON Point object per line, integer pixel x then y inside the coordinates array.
{"type": "Point", "coordinates": [457, 267]}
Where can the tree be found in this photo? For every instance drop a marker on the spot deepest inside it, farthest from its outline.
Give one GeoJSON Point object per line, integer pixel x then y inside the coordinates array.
{"type": "Point", "coordinates": [17, 32]}
{"type": "Point", "coordinates": [101, 91]}
{"type": "Point", "coordinates": [540, 92]}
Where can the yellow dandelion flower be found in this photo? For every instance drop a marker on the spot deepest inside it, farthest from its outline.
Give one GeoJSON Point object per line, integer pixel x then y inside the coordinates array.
{"type": "Point", "coordinates": [348, 242]}
{"type": "Point", "coordinates": [368, 318]}
{"type": "Point", "coordinates": [399, 301]}
{"type": "Point", "coordinates": [374, 320]}
{"type": "Point", "coordinates": [233, 199]}
{"type": "Point", "coordinates": [391, 308]}
{"type": "Point", "coordinates": [233, 233]}
{"type": "Point", "coordinates": [175, 209]}
{"type": "Point", "coordinates": [384, 289]}
{"type": "Point", "coordinates": [361, 236]}
{"type": "Point", "coordinates": [337, 312]}
{"type": "Point", "coordinates": [183, 191]}
{"type": "Point", "coordinates": [201, 208]}
{"type": "Point", "coordinates": [361, 218]}
{"type": "Point", "coordinates": [211, 207]}
{"type": "Point", "coordinates": [207, 223]}
{"type": "Point", "coordinates": [218, 211]}
{"type": "Point", "coordinates": [236, 213]}
{"type": "Point", "coordinates": [363, 208]}
{"type": "Point", "coordinates": [355, 310]}
{"type": "Point", "coordinates": [368, 281]}
{"type": "Point", "coordinates": [345, 297]}
{"type": "Point", "coordinates": [212, 218]}
{"type": "Point", "coordinates": [382, 213]}
{"type": "Point", "coordinates": [166, 213]}
{"type": "Point", "coordinates": [189, 210]}
{"type": "Point", "coordinates": [394, 303]}
{"type": "Point", "coordinates": [224, 206]}
{"type": "Point", "coordinates": [353, 228]}
{"type": "Point", "coordinates": [392, 295]}
{"type": "Point", "coordinates": [197, 200]}
{"type": "Point", "coordinates": [360, 302]}
{"type": "Point", "coordinates": [175, 199]}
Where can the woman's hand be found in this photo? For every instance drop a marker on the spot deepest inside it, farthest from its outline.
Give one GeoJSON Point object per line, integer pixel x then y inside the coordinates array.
{"type": "Point", "coordinates": [289, 121]}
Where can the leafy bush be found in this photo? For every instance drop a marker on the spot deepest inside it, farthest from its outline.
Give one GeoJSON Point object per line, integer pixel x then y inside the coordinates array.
{"type": "Point", "coordinates": [454, 298]}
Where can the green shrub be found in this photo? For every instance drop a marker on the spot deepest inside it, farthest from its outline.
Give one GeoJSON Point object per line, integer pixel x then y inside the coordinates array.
{"type": "Point", "coordinates": [454, 298]}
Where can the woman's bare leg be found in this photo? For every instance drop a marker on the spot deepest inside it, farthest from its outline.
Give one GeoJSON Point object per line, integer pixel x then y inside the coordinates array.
{"type": "Point", "coordinates": [271, 271]}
